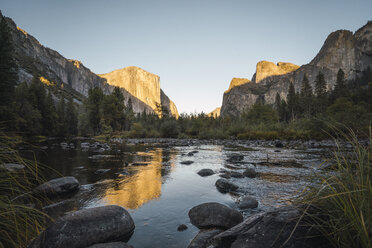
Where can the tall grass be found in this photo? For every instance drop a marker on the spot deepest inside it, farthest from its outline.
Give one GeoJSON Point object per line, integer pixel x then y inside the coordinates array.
{"type": "Point", "coordinates": [341, 203]}
{"type": "Point", "coordinates": [20, 220]}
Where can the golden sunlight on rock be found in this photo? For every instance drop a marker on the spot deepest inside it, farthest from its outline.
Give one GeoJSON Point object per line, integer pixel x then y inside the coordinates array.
{"type": "Point", "coordinates": [236, 82]}
{"type": "Point", "coordinates": [24, 32]}
{"type": "Point", "coordinates": [266, 69]}
{"type": "Point", "coordinates": [46, 81]}
{"type": "Point", "coordinates": [141, 187]}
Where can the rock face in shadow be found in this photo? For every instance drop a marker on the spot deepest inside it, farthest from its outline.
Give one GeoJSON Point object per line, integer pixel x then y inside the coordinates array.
{"type": "Point", "coordinates": [71, 76]}
{"type": "Point", "coordinates": [214, 215]}
{"type": "Point", "coordinates": [351, 52]}
{"type": "Point", "coordinates": [87, 227]}
{"type": "Point", "coordinates": [271, 229]}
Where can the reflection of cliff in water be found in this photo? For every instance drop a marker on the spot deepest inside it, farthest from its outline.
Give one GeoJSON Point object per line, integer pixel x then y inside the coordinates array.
{"type": "Point", "coordinates": [144, 184]}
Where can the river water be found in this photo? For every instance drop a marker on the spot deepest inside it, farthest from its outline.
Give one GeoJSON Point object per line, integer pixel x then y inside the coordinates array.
{"type": "Point", "coordinates": [158, 191]}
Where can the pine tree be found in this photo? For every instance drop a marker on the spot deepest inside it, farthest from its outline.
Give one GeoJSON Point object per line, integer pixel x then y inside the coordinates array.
{"type": "Point", "coordinates": [93, 106]}
{"type": "Point", "coordinates": [306, 96]}
{"type": "Point", "coordinates": [292, 101]}
{"type": "Point", "coordinates": [320, 86]}
{"type": "Point", "coordinates": [71, 118]}
{"type": "Point", "coordinates": [341, 89]}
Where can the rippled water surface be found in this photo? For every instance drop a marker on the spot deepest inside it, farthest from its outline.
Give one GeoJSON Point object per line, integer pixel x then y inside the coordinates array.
{"type": "Point", "coordinates": [158, 190]}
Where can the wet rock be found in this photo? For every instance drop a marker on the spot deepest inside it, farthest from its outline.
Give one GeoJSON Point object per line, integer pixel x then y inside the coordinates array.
{"type": "Point", "coordinates": [205, 172]}
{"type": "Point", "coordinates": [111, 245]}
{"type": "Point", "coordinates": [64, 145]}
{"type": "Point", "coordinates": [181, 227]}
{"type": "Point", "coordinates": [213, 214]}
{"type": "Point", "coordinates": [236, 174]}
{"type": "Point", "coordinates": [87, 227]}
{"type": "Point", "coordinates": [203, 238]}
{"type": "Point", "coordinates": [225, 175]}
{"type": "Point", "coordinates": [233, 158]}
{"type": "Point", "coordinates": [225, 186]}
{"type": "Point", "coordinates": [277, 151]}
{"type": "Point", "coordinates": [248, 202]}
{"type": "Point", "coordinates": [12, 167]}
{"type": "Point", "coordinates": [195, 152]}
{"type": "Point", "coordinates": [101, 171]}
{"type": "Point", "coordinates": [250, 172]}
{"type": "Point", "coordinates": [58, 186]}
{"type": "Point", "coordinates": [190, 154]}
{"type": "Point", "coordinates": [278, 144]}
{"type": "Point", "coordinates": [187, 162]}
{"type": "Point", "coordinates": [270, 229]}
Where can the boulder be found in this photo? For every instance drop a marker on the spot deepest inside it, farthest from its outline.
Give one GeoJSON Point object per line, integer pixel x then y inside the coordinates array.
{"type": "Point", "coordinates": [87, 227]}
{"type": "Point", "coordinates": [278, 144]}
{"type": "Point", "coordinates": [225, 186]}
{"type": "Point", "coordinates": [214, 215]}
{"type": "Point", "coordinates": [205, 172]}
{"type": "Point", "coordinates": [233, 158]}
{"type": "Point", "coordinates": [248, 202]}
{"type": "Point", "coordinates": [202, 239]}
{"type": "Point", "coordinates": [111, 245]}
{"type": "Point", "coordinates": [58, 186]}
{"type": "Point", "coordinates": [236, 174]}
{"type": "Point", "coordinates": [271, 229]}
{"type": "Point", "coordinates": [250, 172]}
{"type": "Point", "coordinates": [182, 227]}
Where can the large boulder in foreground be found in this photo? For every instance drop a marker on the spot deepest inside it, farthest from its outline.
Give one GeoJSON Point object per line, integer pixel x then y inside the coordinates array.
{"type": "Point", "coordinates": [57, 187]}
{"type": "Point", "coordinates": [203, 238]}
{"type": "Point", "coordinates": [214, 215]}
{"type": "Point", "coordinates": [271, 229]}
{"type": "Point", "coordinates": [87, 227]}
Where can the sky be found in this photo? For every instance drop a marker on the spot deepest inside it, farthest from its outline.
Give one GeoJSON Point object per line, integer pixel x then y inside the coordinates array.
{"type": "Point", "coordinates": [195, 46]}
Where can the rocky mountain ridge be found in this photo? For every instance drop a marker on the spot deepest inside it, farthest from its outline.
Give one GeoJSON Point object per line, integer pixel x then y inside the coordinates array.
{"type": "Point", "coordinates": [72, 76]}
{"type": "Point", "coordinates": [351, 52]}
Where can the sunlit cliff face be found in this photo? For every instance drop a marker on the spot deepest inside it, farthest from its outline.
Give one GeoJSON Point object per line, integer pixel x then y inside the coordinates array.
{"type": "Point", "coordinates": [141, 187]}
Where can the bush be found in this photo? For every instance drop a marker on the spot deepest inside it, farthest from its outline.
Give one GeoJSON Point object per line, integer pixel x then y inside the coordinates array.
{"type": "Point", "coordinates": [169, 129]}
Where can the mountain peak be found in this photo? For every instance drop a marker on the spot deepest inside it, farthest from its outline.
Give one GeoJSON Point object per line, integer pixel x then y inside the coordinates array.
{"type": "Point", "coordinates": [266, 69]}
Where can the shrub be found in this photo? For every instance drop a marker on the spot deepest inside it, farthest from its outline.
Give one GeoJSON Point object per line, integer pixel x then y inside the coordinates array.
{"type": "Point", "coordinates": [169, 129]}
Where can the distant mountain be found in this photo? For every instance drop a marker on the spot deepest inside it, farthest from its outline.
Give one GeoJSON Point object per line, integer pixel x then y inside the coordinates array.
{"type": "Point", "coordinates": [215, 113]}
{"type": "Point", "coordinates": [342, 50]}
{"type": "Point", "coordinates": [143, 88]}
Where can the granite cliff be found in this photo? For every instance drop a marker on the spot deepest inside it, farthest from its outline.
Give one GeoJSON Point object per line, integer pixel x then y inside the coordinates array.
{"type": "Point", "coordinates": [143, 88]}
{"type": "Point", "coordinates": [351, 52]}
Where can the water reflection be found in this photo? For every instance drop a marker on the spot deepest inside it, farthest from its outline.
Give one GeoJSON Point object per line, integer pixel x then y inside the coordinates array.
{"type": "Point", "coordinates": [142, 186]}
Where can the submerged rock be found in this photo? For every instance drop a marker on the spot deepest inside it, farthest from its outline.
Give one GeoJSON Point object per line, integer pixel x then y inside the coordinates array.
{"type": "Point", "coordinates": [187, 162]}
{"type": "Point", "coordinates": [101, 171]}
{"type": "Point", "coordinates": [182, 227]}
{"type": "Point", "coordinates": [203, 238]}
{"type": "Point", "coordinates": [225, 186]}
{"type": "Point", "coordinates": [58, 186]}
{"type": "Point", "coordinates": [205, 172]}
{"type": "Point", "coordinates": [248, 202]}
{"type": "Point", "coordinates": [213, 214]}
{"type": "Point", "coordinates": [250, 172]}
{"type": "Point", "coordinates": [233, 158]}
{"type": "Point", "coordinates": [87, 227]}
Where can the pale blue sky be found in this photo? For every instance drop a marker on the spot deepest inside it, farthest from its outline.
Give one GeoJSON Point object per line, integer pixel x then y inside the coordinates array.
{"type": "Point", "coordinates": [195, 46]}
